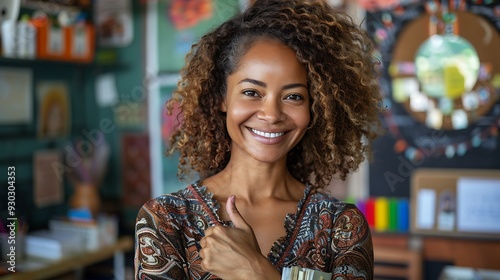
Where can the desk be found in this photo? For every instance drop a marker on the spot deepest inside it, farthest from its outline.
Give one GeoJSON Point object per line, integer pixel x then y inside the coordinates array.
{"type": "Point", "coordinates": [466, 252]}
{"type": "Point", "coordinates": [45, 269]}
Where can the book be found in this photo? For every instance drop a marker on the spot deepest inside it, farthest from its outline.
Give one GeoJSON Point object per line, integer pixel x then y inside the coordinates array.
{"type": "Point", "coordinates": [301, 273]}
{"type": "Point", "coordinates": [51, 245]}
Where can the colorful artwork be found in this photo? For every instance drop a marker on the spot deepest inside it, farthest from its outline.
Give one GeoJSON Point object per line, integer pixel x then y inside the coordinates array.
{"type": "Point", "coordinates": [48, 187]}
{"type": "Point", "coordinates": [54, 109]}
{"type": "Point", "coordinates": [449, 87]}
{"type": "Point", "coordinates": [169, 123]}
{"type": "Point", "coordinates": [187, 13]}
{"type": "Point", "coordinates": [114, 23]}
{"type": "Point", "coordinates": [441, 104]}
{"type": "Point", "coordinates": [182, 22]}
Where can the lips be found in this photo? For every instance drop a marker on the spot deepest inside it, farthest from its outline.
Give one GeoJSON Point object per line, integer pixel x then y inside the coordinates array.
{"type": "Point", "coordinates": [267, 134]}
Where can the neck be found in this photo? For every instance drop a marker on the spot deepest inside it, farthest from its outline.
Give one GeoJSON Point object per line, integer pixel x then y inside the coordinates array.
{"type": "Point", "coordinates": [255, 182]}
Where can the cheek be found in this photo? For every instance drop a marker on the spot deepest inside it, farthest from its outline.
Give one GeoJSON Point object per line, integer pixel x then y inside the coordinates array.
{"type": "Point", "coordinates": [239, 113]}
{"type": "Point", "coordinates": [301, 117]}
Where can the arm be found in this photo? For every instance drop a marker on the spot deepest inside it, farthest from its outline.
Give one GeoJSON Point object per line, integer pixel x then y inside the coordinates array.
{"type": "Point", "coordinates": [158, 248]}
{"type": "Point", "coordinates": [353, 244]}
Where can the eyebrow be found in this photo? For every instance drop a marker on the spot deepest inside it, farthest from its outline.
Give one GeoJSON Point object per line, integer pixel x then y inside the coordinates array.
{"type": "Point", "coordinates": [262, 84]}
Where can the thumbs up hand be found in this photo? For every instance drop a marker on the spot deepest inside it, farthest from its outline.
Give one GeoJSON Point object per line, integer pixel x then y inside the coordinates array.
{"type": "Point", "coordinates": [236, 217]}
{"type": "Point", "coordinates": [233, 252]}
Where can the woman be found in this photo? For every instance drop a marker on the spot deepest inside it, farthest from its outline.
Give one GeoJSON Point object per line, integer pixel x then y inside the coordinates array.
{"type": "Point", "coordinates": [274, 103]}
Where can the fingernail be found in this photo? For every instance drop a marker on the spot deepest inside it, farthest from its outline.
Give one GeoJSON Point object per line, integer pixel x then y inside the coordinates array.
{"type": "Point", "coordinates": [232, 198]}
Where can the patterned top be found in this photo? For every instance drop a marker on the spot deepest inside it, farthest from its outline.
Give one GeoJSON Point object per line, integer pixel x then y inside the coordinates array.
{"type": "Point", "coordinates": [325, 234]}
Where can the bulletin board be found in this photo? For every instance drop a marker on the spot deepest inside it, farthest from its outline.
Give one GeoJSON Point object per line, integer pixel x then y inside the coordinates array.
{"type": "Point", "coordinates": [456, 202]}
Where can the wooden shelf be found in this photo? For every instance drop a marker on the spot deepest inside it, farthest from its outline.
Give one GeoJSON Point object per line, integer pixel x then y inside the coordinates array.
{"type": "Point", "coordinates": [50, 268]}
{"type": "Point", "coordinates": [7, 61]}
{"type": "Point", "coordinates": [49, 7]}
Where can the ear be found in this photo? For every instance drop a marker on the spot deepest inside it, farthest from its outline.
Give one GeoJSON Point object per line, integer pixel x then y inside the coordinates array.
{"type": "Point", "coordinates": [223, 106]}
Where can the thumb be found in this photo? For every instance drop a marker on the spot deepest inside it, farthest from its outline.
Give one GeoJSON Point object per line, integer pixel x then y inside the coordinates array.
{"type": "Point", "coordinates": [234, 214]}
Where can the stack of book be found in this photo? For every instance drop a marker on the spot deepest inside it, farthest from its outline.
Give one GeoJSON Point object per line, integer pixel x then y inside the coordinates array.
{"type": "Point", "coordinates": [51, 245]}
{"type": "Point", "coordinates": [300, 273]}
{"type": "Point", "coordinates": [93, 233]}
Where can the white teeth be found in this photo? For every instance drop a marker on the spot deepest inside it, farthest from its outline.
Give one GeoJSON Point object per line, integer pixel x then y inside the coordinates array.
{"type": "Point", "coordinates": [267, 134]}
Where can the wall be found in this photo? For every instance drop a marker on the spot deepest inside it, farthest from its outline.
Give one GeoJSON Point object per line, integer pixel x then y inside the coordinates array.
{"type": "Point", "coordinates": [19, 142]}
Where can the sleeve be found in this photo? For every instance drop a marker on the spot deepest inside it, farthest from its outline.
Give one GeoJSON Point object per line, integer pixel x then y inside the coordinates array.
{"type": "Point", "coordinates": [353, 244]}
{"type": "Point", "coordinates": [158, 245]}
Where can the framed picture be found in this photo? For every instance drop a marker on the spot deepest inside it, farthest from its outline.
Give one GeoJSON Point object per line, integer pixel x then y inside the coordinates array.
{"type": "Point", "coordinates": [114, 23]}
{"type": "Point", "coordinates": [16, 98]}
{"type": "Point", "coordinates": [48, 186]}
{"type": "Point", "coordinates": [54, 116]}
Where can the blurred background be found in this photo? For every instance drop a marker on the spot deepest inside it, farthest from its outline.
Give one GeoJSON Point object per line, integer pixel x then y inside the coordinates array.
{"type": "Point", "coordinates": [83, 130]}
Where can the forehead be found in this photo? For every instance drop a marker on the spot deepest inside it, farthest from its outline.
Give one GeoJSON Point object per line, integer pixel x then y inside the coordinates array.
{"type": "Point", "coordinates": [265, 53]}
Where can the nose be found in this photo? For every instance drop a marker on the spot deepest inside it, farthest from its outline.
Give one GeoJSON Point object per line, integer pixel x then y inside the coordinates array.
{"type": "Point", "coordinates": [271, 110]}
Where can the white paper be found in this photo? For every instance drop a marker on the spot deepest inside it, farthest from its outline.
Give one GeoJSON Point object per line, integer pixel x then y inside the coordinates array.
{"type": "Point", "coordinates": [105, 90]}
{"type": "Point", "coordinates": [16, 98]}
{"type": "Point", "coordinates": [478, 205]}
{"type": "Point", "coordinates": [426, 208]}
{"type": "Point", "coordinates": [80, 46]}
{"type": "Point", "coordinates": [419, 102]}
{"type": "Point", "coordinates": [55, 44]}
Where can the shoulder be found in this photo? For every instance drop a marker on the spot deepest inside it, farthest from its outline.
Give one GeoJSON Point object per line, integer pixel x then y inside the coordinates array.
{"type": "Point", "coordinates": [341, 216]}
{"type": "Point", "coordinates": [165, 207]}
{"type": "Point", "coordinates": [324, 202]}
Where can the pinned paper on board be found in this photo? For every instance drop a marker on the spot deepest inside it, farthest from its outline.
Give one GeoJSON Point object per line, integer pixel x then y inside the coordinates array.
{"type": "Point", "coordinates": [426, 204]}
{"type": "Point", "coordinates": [105, 90]}
{"type": "Point", "coordinates": [446, 211]}
{"type": "Point", "coordinates": [478, 208]}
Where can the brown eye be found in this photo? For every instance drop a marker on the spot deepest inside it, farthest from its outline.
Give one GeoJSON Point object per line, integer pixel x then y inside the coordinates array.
{"type": "Point", "coordinates": [251, 93]}
{"type": "Point", "coordinates": [294, 97]}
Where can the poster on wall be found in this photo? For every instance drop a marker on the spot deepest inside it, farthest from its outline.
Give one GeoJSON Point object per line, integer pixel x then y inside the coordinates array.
{"type": "Point", "coordinates": [440, 86]}
{"type": "Point", "coordinates": [54, 114]}
{"type": "Point", "coordinates": [181, 23]}
{"type": "Point", "coordinates": [16, 96]}
{"type": "Point", "coordinates": [114, 23]}
{"type": "Point", "coordinates": [48, 187]}
{"type": "Point", "coordinates": [169, 122]}
{"type": "Point", "coordinates": [136, 182]}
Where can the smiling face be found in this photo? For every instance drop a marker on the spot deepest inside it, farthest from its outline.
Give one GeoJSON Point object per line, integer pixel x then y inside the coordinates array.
{"type": "Point", "coordinates": [267, 103]}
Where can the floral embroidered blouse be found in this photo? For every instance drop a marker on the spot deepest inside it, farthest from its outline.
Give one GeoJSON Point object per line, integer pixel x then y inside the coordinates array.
{"type": "Point", "coordinates": [325, 234]}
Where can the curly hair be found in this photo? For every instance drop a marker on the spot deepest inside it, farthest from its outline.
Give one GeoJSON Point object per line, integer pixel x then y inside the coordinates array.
{"type": "Point", "coordinates": [342, 80]}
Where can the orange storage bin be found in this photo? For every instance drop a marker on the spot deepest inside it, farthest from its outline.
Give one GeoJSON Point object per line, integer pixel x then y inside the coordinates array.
{"type": "Point", "coordinates": [52, 42]}
{"type": "Point", "coordinates": [73, 43]}
{"type": "Point", "coordinates": [81, 43]}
